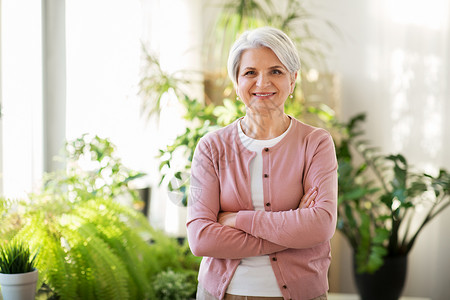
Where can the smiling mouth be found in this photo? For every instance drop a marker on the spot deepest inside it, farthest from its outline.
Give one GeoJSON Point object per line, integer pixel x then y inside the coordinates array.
{"type": "Point", "coordinates": [263, 94]}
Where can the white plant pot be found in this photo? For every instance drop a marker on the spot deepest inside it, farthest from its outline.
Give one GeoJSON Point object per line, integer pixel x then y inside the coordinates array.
{"type": "Point", "coordinates": [19, 286]}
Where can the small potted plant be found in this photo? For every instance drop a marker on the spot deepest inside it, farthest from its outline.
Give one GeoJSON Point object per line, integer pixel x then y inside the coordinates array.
{"type": "Point", "coordinates": [18, 273]}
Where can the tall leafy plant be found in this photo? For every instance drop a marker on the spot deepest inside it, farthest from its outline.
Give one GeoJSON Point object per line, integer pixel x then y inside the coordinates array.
{"type": "Point", "coordinates": [383, 202]}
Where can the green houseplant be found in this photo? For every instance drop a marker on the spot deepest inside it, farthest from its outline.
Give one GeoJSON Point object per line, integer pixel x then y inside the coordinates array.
{"type": "Point", "coordinates": [94, 244]}
{"type": "Point", "coordinates": [384, 203]}
{"type": "Point", "coordinates": [170, 285]}
{"type": "Point", "coordinates": [18, 273]}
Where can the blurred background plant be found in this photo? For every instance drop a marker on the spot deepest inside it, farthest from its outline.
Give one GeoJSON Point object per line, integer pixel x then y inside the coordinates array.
{"type": "Point", "coordinates": [384, 203]}
{"type": "Point", "coordinates": [93, 170]}
{"type": "Point", "coordinates": [170, 285]}
{"type": "Point", "coordinates": [93, 245]}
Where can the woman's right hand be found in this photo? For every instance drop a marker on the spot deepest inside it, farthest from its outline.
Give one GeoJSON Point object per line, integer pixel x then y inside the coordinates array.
{"type": "Point", "coordinates": [307, 200]}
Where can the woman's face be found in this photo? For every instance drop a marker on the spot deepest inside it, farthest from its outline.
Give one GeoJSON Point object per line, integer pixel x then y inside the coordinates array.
{"type": "Point", "coordinates": [263, 82]}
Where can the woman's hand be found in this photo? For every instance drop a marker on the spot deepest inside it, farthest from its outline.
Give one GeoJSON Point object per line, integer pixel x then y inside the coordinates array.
{"type": "Point", "coordinates": [227, 218]}
{"type": "Point", "coordinates": [307, 200]}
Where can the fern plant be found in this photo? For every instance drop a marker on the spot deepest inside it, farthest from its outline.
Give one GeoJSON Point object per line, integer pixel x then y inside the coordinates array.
{"type": "Point", "coordinates": [92, 246]}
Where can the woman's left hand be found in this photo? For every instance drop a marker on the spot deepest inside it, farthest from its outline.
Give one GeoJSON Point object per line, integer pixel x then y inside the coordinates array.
{"type": "Point", "coordinates": [307, 200]}
{"type": "Point", "coordinates": [227, 218]}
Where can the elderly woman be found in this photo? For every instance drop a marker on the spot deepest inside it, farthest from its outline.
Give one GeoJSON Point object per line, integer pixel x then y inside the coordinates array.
{"type": "Point", "coordinates": [262, 206]}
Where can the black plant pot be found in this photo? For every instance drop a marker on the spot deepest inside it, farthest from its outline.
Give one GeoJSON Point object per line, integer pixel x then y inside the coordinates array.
{"type": "Point", "coordinates": [386, 283]}
{"type": "Point", "coordinates": [145, 195]}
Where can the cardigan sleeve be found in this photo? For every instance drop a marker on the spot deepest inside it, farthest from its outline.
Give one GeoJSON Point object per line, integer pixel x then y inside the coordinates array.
{"type": "Point", "coordinates": [206, 236]}
{"type": "Point", "coordinates": [308, 227]}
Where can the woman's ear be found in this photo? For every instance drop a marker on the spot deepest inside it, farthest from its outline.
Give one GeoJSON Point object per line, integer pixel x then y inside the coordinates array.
{"type": "Point", "coordinates": [294, 79]}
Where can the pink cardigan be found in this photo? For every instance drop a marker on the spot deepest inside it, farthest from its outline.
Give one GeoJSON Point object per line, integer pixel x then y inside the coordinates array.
{"type": "Point", "coordinates": [296, 240]}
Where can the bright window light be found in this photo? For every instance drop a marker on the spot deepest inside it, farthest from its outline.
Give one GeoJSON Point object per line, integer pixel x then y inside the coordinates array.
{"type": "Point", "coordinates": [21, 69]}
{"type": "Point", "coordinates": [429, 14]}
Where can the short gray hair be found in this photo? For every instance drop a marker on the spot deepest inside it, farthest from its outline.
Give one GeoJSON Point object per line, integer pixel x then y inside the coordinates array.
{"type": "Point", "coordinates": [269, 37]}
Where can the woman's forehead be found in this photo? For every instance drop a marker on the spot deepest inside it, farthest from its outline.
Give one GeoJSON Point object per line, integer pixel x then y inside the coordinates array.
{"type": "Point", "coordinates": [259, 57]}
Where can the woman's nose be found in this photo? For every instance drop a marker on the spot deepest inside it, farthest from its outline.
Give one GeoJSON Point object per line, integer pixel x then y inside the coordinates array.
{"type": "Point", "coordinates": [262, 80]}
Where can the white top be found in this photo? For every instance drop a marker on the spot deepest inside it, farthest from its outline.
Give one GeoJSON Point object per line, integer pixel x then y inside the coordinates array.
{"type": "Point", "coordinates": [254, 275]}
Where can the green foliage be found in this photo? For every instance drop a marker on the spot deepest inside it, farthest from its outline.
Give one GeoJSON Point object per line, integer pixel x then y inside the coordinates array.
{"type": "Point", "coordinates": [93, 170]}
{"type": "Point", "coordinates": [156, 83]}
{"type": "Point", "coordinates": [228, 112]}
{"type": "Point", "coordinates": [204, 119]}
{"type": "Point", "coordinates": [170, 285]}
{"type": "Point", "coordinates": [291, 16]}
{"type": "Point", "coordinates": [379, 196]}
{"type": "Point", "coordinates": [92, 246]}
{"type": "Point", "coordinates": [16, 257]}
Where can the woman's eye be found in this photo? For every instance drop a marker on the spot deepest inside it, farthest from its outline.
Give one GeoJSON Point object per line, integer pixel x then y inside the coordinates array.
{"type": "Point", "coordinates": [277, 72]}
{"type": "Point", "coordinates": [249, 73]}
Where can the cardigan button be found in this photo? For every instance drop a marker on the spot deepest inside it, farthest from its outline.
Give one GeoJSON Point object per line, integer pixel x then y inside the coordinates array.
{"type": "Point", "coordinates": [284, 287]}
{"type": "Point", "coordinates": [266, 149]}
{"type": "Point", "coordinates": [266, 175]}
{"type": "Point", "coordinates": [274, 258]}
{"type": "Point", "coordinates": [268, 204]}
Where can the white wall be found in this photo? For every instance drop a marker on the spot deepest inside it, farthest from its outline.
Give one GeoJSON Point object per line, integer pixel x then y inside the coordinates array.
{"type": "Point", "coordinates": [393, 60]}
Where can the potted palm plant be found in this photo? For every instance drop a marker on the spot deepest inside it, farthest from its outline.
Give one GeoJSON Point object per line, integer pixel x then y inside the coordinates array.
{"type": "Point", "coordinates": [18, 273]}
{"type": "Point", "coordinates": [383, 206]}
